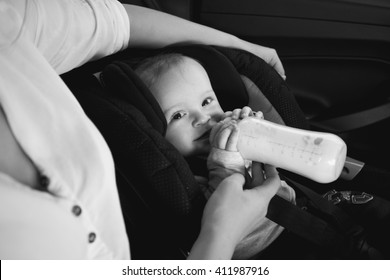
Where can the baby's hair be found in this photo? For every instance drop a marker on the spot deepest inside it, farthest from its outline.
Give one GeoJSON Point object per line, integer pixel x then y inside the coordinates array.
{"type": "Point", "coordinates": [152, 68]}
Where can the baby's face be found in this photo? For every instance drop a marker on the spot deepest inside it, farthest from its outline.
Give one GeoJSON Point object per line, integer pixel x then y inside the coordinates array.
{"type": "Point", "coordinates": [189, 105]}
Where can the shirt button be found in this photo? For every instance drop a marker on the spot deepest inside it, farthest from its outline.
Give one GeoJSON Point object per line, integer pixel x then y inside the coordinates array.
{"type": "Point", "coordinates": [91, 237]}
{"type": "Point", "coordinates": [76, 210]}
{"type": "Point", "coordinates": [304, 208]}
{"type": "Point", "coordinates": [44, 181]}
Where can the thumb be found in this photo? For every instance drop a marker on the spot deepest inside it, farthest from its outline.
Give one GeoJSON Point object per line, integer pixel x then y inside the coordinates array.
{"type": "Point", "coordinates": [271, 184]}
{"type": "Point", "coordinates": [234, 181]}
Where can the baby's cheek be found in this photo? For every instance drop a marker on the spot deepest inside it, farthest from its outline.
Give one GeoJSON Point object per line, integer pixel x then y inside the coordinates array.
{"type": "Point", "coordinates": [170, 137]}
{"type": "Point", "coordinates": [179, 141]}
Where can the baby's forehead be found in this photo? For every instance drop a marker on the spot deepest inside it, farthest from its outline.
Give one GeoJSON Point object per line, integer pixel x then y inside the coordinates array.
{"type": "Point", "coordinates": [184, 78]}
{"type": "Point", "coordinates": [189, 63]}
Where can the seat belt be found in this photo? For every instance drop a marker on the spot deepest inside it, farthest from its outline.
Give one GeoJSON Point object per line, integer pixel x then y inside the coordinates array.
{"type": "Point", "coordinates": [337, 234]}
{"type": "Point", "coordinates": [305, 225]}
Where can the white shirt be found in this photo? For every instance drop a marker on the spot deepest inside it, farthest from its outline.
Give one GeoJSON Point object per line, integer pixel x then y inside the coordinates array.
{"type": "Point", "coordinates": [80, 216]}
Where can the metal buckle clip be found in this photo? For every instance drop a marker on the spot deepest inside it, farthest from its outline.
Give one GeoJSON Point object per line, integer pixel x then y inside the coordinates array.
{"type": "Point", "coordinates": [361, 198]}
{"type": "Point", "coordinates": [352, 197]}
{"type": "Point", "coordinates": [333, 196]}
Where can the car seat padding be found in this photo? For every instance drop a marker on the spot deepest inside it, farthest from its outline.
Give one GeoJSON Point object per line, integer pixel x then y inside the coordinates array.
{"type": "Point", "coordinates": [270, 83]}
{"type": "Point", "coordinates": [150, 171]}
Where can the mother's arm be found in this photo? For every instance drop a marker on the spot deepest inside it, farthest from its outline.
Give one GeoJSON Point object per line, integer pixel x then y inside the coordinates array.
{"type": "Point", "coordinates": [154, 29]}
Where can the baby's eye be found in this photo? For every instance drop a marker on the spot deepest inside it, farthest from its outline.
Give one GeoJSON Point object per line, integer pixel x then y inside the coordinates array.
{"type": "Point", "coordinates": [207, 101]}
{"type": "Point", "coordinates": [177, 116]}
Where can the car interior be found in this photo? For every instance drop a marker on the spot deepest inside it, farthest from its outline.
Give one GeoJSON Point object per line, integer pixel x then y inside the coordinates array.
{"type": "Point", "coordinates": [335, 54]}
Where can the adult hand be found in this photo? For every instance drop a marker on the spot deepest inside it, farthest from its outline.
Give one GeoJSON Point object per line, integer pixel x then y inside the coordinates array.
{"type": "Point", "coordinates": [269, 55]}
{"type": "Point", "coordinates": [232, 213]}
{"type": "Point", "coordinates": [153, 29]}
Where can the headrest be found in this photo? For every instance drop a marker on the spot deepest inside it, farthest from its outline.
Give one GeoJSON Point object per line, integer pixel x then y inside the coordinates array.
{"type": "Point", "coordinates": [121, 81]}
{"type": "Point", "coordinates": [274, 88]}
{"type": "Point", "coordinates": [224, 67]}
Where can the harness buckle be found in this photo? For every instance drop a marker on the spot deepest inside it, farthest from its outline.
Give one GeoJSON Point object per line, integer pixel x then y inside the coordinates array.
{"type": "Point", "coordinates": [361, 198]}
{"type": "Point", "coordinates": [351, 197]}
{"type": "Point", "coordinates": [333, 196]}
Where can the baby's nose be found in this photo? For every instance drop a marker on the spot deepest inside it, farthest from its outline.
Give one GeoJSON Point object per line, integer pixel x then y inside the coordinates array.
{"type": "Point", "coordinates": [201, 119]}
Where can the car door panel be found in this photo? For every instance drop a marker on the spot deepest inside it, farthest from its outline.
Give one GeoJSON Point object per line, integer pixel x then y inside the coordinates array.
{"type": "Point", "coordinates": [319, 34]}
{"type": "Point", "coordinates": [336, 54]}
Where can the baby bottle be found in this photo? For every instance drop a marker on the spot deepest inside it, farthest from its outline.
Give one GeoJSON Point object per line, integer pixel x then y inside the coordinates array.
{"type": "Point", "coordinates": [316, 155]}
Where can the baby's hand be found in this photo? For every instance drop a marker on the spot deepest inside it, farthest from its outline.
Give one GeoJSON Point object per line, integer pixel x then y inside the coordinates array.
{"type": "Point", "coordinates": [224, 135]}
{"type": "Point", "coordinates": [224, 157]}
{"type": "Point", "coordinates": [239, 114]}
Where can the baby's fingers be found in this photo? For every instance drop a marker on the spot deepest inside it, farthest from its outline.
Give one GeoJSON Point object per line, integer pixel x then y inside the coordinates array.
{"type": "Point", "coordinates": [246, 112]}
{"type": "Point", "coordinates": [227, 136]}
{"type": "Point", "coordinates": [215, 131]}
{"type": "Point", "coordinates": [259, 115]}
{"type": "Point", "coordinates": [239, 114]}
{"type": "Point", "coordinates": [236, 114]}
{"type": "Point", "coordinates": [227, 114]}
{"type": "Point", "coordinates": [231, 144]}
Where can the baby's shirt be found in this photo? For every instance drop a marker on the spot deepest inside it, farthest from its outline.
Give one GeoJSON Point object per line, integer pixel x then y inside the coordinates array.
{"type": "Point", "coordinates": [221, 164]}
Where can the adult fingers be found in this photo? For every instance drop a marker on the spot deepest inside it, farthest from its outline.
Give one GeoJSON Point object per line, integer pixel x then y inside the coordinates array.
{"type": "Point", "coordinates": [276, 63]}
{"type": "Point", "coordinates": [271, 184]}
{"type": "Point", "coordinates": [269, 55]}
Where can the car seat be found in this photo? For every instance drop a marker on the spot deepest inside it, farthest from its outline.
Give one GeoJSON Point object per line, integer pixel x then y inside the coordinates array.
{"type": "Point", "coordinates": [161, 201]}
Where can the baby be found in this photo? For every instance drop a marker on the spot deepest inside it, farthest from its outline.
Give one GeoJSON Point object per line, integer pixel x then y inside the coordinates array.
{"type": "Point", "coordinates": [198, 127]}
